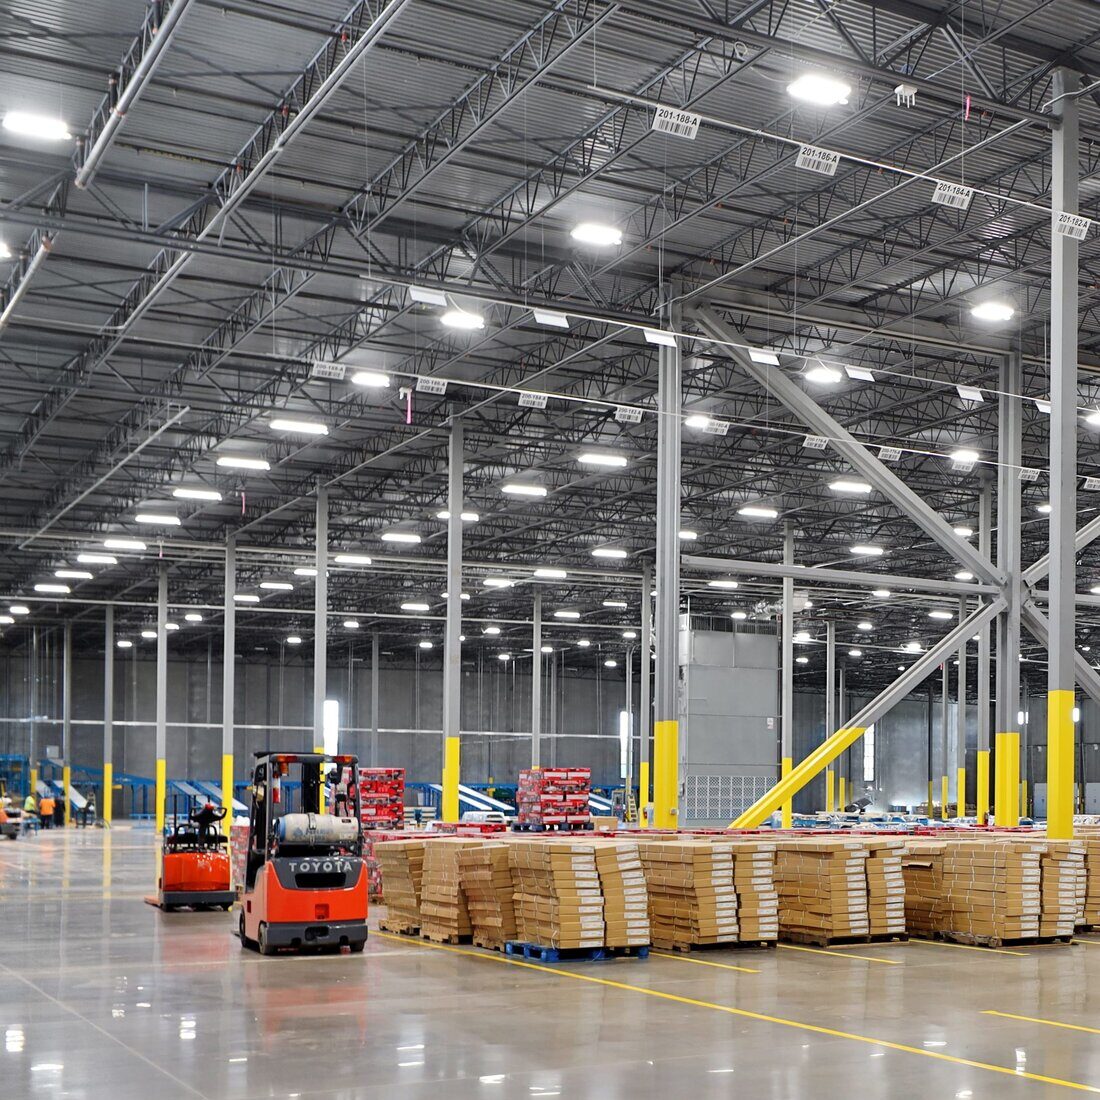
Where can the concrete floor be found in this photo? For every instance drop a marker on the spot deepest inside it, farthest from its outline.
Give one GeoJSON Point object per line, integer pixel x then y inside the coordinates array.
{"type": "Point", "coordinates": [104, 997]}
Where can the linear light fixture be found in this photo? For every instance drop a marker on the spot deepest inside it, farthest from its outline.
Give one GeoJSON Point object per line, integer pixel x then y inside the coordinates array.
{"type": "Point", "coordinates": [620, 605]}
{"type": "Point", "coordinates": [597, 234]}
{"type": "Point", "coordinates": [305, 571]}
{"type": "Point", "coordinates": [409, 537]}
{"type": "Point", "coordinates": [293, 639]}
{"type": "Point", "coordinates": [820, 89]}
{"type": "Point", "coordinates": [371, 379]}
{"type": "Point", "coordinates": [53, 589]}
{"type": "Point", "coordinates": [243, 462]}
{"type": "Point", "coordinates": [97, 559]}
{"type": "Point", "coordinates": [687, 535]}
{"type": "Point", "coordinates": [124, 544]}
{"type": "Point", "coordinates": [297, 427]}
{"type": "Point", "coordinates": [523, 489]}
{"type": "Point", "coordinates": [353, 559]}
{"type": "Point", "coordinates": [351, 624]}
{"type": "Point", "coordinates": [881, 593]}
{"type": "Point", "coordinates": [602, 458]}
{"type": "Point", "coordinates": [610, 552]}
{"type": "Point", "coordinates": [723, 584]}
{"type": "Point", "coordinates": [844, 485]}
{"type": "Point", "coordinates": [246, 597]}
{"type": "Point", "coordinates": [39, 127]}
{"type": "Point", "coordinates": [153, 519]}
{"type": "Point", "coordinates": [943, 616]}
{"type": "Point", "coordinates": [192, 617]}
{"type": "Point", "coordinates": [277, 586]}
{"type": "Point", "coordinates": [758, 511]}
{"type": "Point", "coordinates": [551, 318]}
{"type": "Point", "coordinates": [466, 517]}
{"type": "Point", "coordinates": [72, 574]}
{"type": "Point", "coordinates": [184, 492]}
{"type": "Point", "coordinates": [866, 550]}
{"type": "Point", "coordinates": [491, 631]}
{"type": "Point", "coordinates": [414, 605]}
{"type": "Point", "coordinates": [567, 614]}
{"type": "Point", "coordinates": [551, 574]}
{"type": "Point", "coordinates": [463, 319]}
{"type": "Point", "coordinates": [498, 582]}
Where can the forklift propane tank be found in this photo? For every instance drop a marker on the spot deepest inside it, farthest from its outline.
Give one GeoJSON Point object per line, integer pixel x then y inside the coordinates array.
{"type": "Point", "coordinates": [324, 829]}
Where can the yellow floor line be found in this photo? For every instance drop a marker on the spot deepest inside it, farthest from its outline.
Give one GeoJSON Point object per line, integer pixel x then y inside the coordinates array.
{"type": "Point", "coordinates": [969, 947]}
{"type": "Point", "coordinates": [1037, 1020]}
{"type": "Point", "coordinates": [745, 1013]}
{"type": "Point", "coordinates": [839, 955]}
{"type": "Point", "coordinates": [703, 962]}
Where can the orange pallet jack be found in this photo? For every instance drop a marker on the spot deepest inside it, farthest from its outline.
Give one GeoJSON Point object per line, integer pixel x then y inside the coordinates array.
{"type": "Point", "coordinates": [305, 879]}
{"type": "Point", "coordinates": [194, 870]}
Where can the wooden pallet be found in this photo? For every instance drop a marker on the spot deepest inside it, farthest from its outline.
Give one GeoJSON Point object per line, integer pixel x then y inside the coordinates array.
{"type": "Point", "coordinates": [815, 939]}
{"type": "Point", "coordinates": [488, 944]}
{"type": "Point", "coordinates": [732, 945]}
{"type": "Point", "coordinates": [888, 937]}
{"type": "Point", "coordinates": [399, 928]}
{"type": "Point", "coordinates": [438, 937]}
{"type": "Point", "coordinates": [538, 953]}
{"type": "Point", "coordinates": [971, 940]}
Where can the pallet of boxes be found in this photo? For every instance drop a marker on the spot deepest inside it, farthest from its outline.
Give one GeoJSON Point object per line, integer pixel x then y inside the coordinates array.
{"type": "Point", "coordinates": [692, 897]}
{"type": "Point", "coordinates": [625, 897]}
{"type": "Point", "coordinates": [922, 870]}
{"type": "Point", "coordinates": [754, 884]}
{"type": "Point", "coordinates": [822, 885]}
{"type": "Point", "coordinates": [1063, 882]}
{"type": "Point", "coordinates": [444, 916]}
{"type": "Point", "coordinates": [886, 887]}
{"type": "Point", "coordinates": [1089, 917]}
{"type": "Point", "coordinates": [992, 891]}
{"type": "Point", "coordinates": [486, 879]}
{"type": "Point", "coordinates": [401, 866]}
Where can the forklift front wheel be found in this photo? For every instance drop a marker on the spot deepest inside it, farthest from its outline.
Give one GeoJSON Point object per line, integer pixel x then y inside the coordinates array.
{"type": "Point", "coordinates": [240, 931]}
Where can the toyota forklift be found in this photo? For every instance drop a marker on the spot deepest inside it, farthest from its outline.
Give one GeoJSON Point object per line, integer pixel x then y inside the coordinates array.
{"type": "Point", "coordinates": [305, 879]}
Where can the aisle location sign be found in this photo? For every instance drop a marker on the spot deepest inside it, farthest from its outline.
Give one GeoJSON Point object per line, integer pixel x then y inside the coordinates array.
{"type": "Point", "coordinates": [813, 159]}
{"type": "Point", "coordinates": [671, 120]}
{"type": "Point", "coordinates": [1071, 225]}
{"type": "Point", "coordinates": [953, 195]}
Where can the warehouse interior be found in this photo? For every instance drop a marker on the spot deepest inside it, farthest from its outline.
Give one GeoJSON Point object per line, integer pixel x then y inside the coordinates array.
{"type": "Point", "coordinates": [671, 428]}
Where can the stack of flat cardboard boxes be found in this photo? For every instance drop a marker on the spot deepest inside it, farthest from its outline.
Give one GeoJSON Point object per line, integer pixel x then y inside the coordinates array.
{"type": "Point", "coordinates": [401, 863]}
{"type": "Point", "coordinates": [992, 889]}
{"type": "Point", "coordinates": [692, 898]}
{"type": "Point", "coordinates": [443, 912]}
{"type": "Point", "coordinates": [885, 886]}
{"type": "Point", "coordinates": [1089, 837]}
{"type": "Point", "coordinates": [558, 899]}
{"type": "Point", "coordinates": [754, 881]}
{"type": "Point", "coordinates": [625, 898]}
{"type": "Point", "coordinates": [922, 870]}
{"type": "Point", "coordinates": [822, 887]}
{"type": "Point", "coordinates": [1063, 880]}
{"type": "Point", "coordinates": [487, 883]}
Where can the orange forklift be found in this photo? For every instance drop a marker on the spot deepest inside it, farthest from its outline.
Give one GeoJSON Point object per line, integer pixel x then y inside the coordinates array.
{"type": "Point", "coordinates": [305, 880]}
{"type": "Point", "coordinates": [194, 871]}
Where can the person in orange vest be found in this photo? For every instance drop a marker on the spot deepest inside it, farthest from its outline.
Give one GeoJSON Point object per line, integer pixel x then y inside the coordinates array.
{"type": "Point", "coordinates": [45, 811]}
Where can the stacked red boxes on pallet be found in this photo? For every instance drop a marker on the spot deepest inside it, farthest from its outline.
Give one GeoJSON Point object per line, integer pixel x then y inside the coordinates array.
{"type": "Point", "coordinates": [382, 797]}
{"type": "Point", "coordinates": [554, 797]}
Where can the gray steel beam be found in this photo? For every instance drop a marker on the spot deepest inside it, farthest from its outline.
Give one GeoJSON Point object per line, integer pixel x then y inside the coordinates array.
{"type": "Point", "coordinates": [845, 444]}
{"type": "Point", "coordinates": [536, 678]}
{"type": "Point", "coordinates": [229, 671]}
{"type": "Point", "coordinates": [810, 574]}
{"type": "Point", "coordinates": [355, 34]}
{"type": "Point", "coordinates": [945, 688]}
{"type": "Point", "coordinates": [452, 644]}
{"type": "Point", "coordinates": [320, 618]}
{"type": "Point", "coordinates": [1061, 647]}
{"type": "Point", "coordinates": [127, 83]}
{"type": "Point", "coordinates": [1035, 572]}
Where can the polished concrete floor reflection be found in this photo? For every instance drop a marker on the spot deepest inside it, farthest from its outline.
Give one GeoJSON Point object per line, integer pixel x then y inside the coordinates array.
{"type": "Point", "coordinates": [104, 997]}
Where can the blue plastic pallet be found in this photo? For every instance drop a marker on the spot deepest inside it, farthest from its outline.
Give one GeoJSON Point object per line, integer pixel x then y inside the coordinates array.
{"type": "Point", "coordinates": [539, 953]}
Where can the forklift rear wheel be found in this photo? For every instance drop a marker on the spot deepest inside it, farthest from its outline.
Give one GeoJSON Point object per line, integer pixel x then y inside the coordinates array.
{"type": "Point", "coordinates": [357, 948]}
{"type": "Point", "coordinates": [262, 944]}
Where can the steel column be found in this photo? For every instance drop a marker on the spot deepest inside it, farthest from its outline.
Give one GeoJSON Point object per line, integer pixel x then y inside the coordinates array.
{"type": "Point", "coordinates": [830, 709]}
{"type": "Point", "coordinates": [1006, 759]}
{"type": "Point", "coordinates": [666, 752]}
{"type": "Point", "coordinates": [960, 725]}
{"type": "Point", "coordinates": [1061, 648]}
{"type": "Point", "coordinates": [32, 748]}
{"type": "Point", "coordinates": [844, 767]}
{"type": "Point", "coordinates": [786, 704]}
{"type": "Point", "coordinates": [67, 719]}
{"type": "Point", "coordinates": [536, 678]}
{"type": "Point", "coordinates": [162, 695]}
{"type": "Point", "coordinates": [374, 700]}
{"type": "Point", "coordinates": [229, 679]}
{"type": "Point", "coordinates": [981, 797]}
{"type": "Point", "coordinates": [644, 703]}
{"type": "Point", "coordinates": [106, 800]}
{"type": "Point", "coordinates": [452, 647]}
{"type": "Point", "coordinates": [320, 619]}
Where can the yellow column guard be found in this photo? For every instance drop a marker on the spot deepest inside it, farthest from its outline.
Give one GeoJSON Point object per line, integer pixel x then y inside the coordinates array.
{"type": "Point", "coordinates": [960, 792]}
{"type": "Point", "coordinates": [1060, 751]}
{"type": "Point", "coordinates": [108, 792]}
{"type": "Point", "coordinates": [1007, 782]}
{"type": "Point", "coordinates": [931, 800]}
{"type": "Point", "coordinates": [982, 795]}
{"type": "Point", "coordinates": [643, 791]}
{"type": "Point", "coordinates": [788, 809]}
{"type": "Point", "coordinates": [161, 793]}
{"type": "Point", "coordinates": [666, 773]}
{"type": "Point", "coordinates": [791, 784]}
{"type": "Point", "coordinates": [830, 791]}
{"type": "Point", "coordinates": [66, 783]}
{"type": "Point", "coordinates": [944, 795]}
{"type": "Point", "coordinates": [321, 808]}
{"type": "Point", "coordinates": [842, 801]}
{"type": "Point", "coordinates": [451, 763]}
{"type": "Point", "coordinates": [227, 791]}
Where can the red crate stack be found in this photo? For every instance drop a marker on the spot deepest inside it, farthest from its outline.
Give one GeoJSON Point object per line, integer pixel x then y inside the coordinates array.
{"type": "Point", "coordinates": [382, 797]}
{"type": "Point", "coordinates": [554, 796]}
